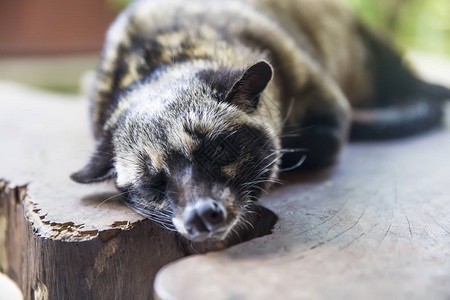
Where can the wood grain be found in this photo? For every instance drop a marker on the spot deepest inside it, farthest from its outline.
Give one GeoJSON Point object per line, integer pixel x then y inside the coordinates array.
{"type": "Point", "coordinates": [375, 226]}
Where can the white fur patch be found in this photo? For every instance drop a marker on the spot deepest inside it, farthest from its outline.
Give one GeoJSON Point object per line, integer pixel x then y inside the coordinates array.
{"type": "Point", "coordinates": [127, 171]}
{"type": "Point", "coordinates": [179, 225]}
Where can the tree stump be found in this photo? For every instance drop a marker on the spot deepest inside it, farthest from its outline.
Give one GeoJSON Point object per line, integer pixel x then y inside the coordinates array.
{"type": "Point", "coordinates": [59, 239]}
{"type": "Point", "coordinates": [63, 240]}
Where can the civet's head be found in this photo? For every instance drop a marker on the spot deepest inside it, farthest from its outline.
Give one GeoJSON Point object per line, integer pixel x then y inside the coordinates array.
{"type": "Point", "coordinates": [191, 150]}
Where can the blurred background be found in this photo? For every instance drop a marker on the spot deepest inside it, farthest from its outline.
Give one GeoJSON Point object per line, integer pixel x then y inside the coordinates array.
{"type": "Point", "coordinates": [51, 43]}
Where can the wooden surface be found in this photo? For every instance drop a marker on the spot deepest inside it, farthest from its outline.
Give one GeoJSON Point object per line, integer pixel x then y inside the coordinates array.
{"type": "Point", "coordinates": [58, 238]}
{"type": "Point", "coordinates": [376, 226]}
{"type": "Point", "coordinates": [44, 138]}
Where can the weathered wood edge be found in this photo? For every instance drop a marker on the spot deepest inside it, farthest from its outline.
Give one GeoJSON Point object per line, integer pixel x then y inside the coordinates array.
{"type": "Point", "coordinates": [63, 261]}
{"type": "Point", "coordinates": [50, 260]}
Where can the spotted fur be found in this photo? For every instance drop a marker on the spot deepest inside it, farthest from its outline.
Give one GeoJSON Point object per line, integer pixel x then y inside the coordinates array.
{"type": "Point", "coordinates": [200, 99]}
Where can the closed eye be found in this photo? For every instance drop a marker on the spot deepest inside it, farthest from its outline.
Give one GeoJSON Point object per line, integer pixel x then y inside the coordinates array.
{"type": "Point", "coordinates": [153, 187]}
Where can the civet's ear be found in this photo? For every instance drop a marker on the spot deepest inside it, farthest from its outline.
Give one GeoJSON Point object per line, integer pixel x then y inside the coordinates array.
{"type": "Point", "coordinates": [100, 166]}
{"type": "Point", "coordinates": [246, 91]}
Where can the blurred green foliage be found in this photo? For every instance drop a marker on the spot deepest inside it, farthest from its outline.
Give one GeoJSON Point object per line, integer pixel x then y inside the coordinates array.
{"type": "Point", "coordinates": [413, 24]}
{"type": "Point", "coordinates": [422, 25]}
{"type": "Point", "coordinates": [118, 5]}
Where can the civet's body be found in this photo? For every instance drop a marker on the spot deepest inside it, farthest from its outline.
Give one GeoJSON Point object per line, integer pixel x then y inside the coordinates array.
{"type": "Point", "coordinates": [196, 102]}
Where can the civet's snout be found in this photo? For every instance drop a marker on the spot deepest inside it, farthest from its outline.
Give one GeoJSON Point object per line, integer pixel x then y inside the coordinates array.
{"type": "Point", "coordinates": [204, 218]}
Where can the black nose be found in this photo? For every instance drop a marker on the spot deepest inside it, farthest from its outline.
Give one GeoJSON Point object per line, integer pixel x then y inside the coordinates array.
{"type": "Point", "coordinates": [204, 217]}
